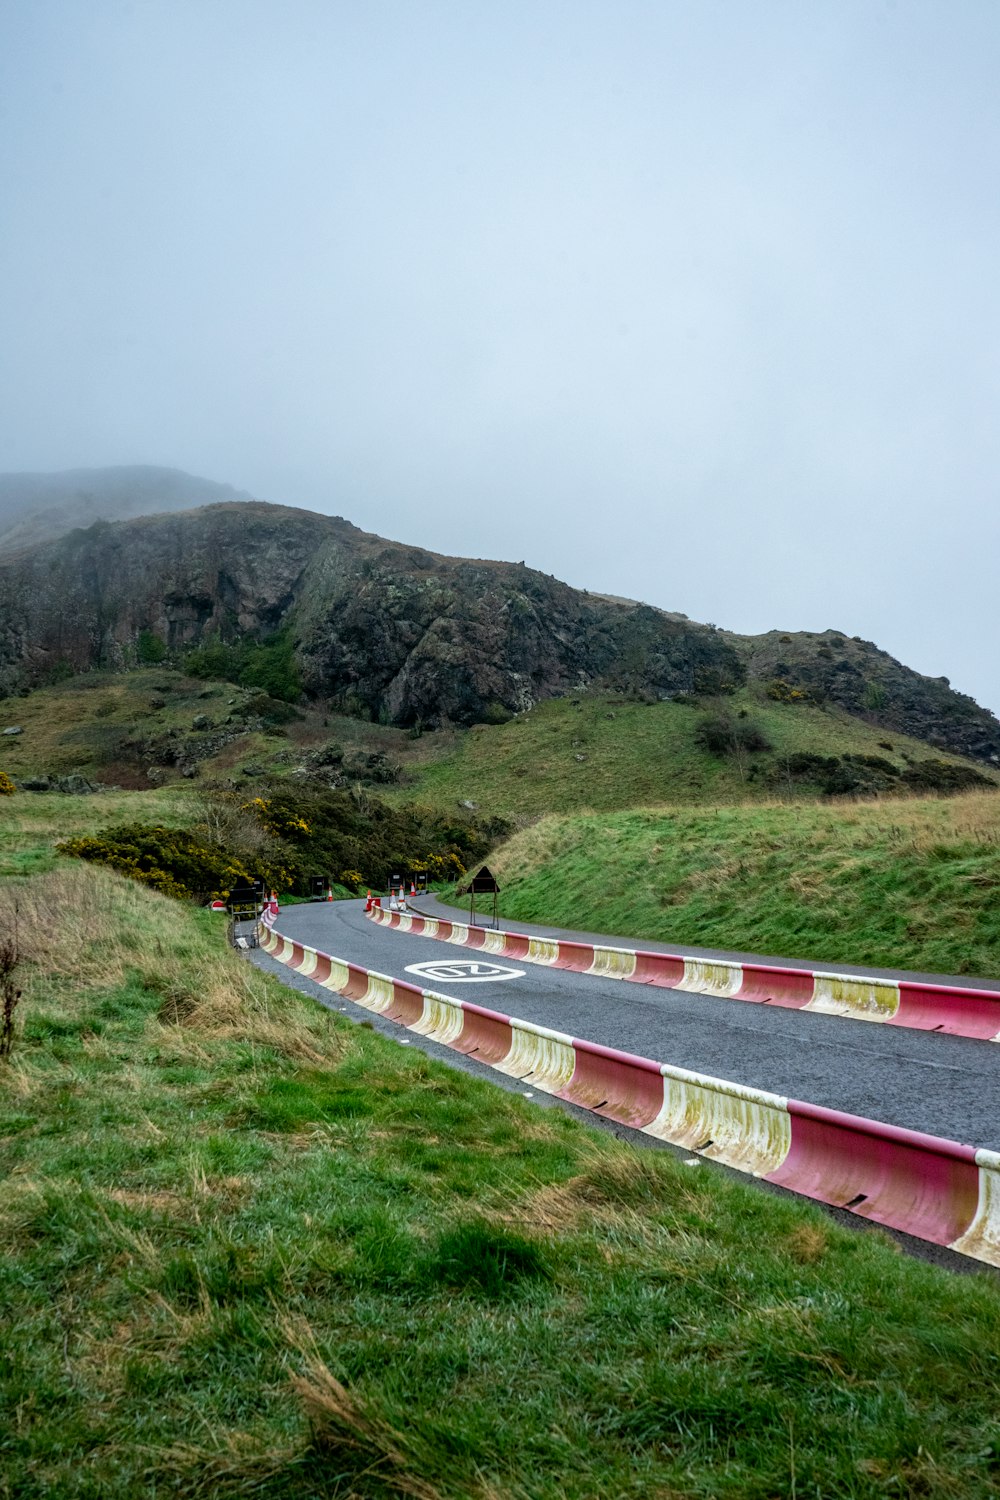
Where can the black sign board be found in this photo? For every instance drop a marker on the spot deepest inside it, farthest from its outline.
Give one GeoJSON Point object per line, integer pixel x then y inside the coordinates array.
{"type": "Point", "coordinates": [483, 882]}
{"type": "Point", "coordinates": [422, 880]}
{"type": "Point", "coordinates": [395, 882]}
{"type": "Point", "coordinates": [243, 895]}
{"type": "Point", "coordinates": [318, 885]}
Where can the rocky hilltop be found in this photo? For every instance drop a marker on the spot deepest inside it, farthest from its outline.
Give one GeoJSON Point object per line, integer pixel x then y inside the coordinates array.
{"type": "Point", "coordinates": [406, 636]}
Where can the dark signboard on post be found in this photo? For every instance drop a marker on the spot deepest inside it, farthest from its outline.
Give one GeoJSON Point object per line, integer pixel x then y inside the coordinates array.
{"type": "Point", "coordinates": [483, 883]}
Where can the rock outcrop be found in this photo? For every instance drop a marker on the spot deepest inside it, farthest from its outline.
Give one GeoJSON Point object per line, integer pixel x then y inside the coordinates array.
{"type": "Point", "coordinates": [409, 637]}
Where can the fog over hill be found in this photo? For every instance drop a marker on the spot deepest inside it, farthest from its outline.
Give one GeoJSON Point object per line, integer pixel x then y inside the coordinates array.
{"type": "Point", "coordinates": [40, 507]}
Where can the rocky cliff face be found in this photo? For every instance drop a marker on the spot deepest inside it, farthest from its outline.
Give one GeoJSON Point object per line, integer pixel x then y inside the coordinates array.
{"type": "Point", "coordinates": [408, 636]}
{"type": "Point", "coordinates": [855, 675]}
{"type": "Point", "coordinates": [383, 629]}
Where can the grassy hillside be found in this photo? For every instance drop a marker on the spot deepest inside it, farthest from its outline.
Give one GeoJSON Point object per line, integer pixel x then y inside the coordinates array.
{"type": "Point", "coordinates": [606, 754]}
{"type": "Point", "coordinates": [251, 1249]}
{"type": "Point", "coordinates": [909, 883]}
{"type": "Point", "coordinates": [600, 753]}
{"type": "Point", "coordinates": [31, 824]}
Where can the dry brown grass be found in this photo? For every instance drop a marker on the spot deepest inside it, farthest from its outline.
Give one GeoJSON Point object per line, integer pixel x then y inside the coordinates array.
{"type": "Point", "coordinates": [83, 928]}
{"type": "Point", "coordinates": [807, 1243]}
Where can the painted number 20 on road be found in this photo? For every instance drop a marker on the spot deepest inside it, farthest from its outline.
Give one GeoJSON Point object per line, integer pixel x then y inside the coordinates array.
{"type": "Point", "coordinates": [463, 971]}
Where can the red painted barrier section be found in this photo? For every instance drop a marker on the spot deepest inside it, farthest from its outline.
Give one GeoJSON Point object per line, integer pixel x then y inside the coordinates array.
{"type": "Point", "coordinates": [476, 938]}
{"type": "Point", "coordinates": [575, 956]}
{"type": "Point", "coordinates": [662, 969]}
{"type": "Point", "coordinates": [516, 945]}
{"type": "Point", "coordinates": [933, 1007]}
{"type": "Point", "coordinates": [615, 1084]}
{"type": "Point", "coordinates": [486, 1033]}
{"type": "Point", "coordinates": [407, 1003]}
{"type": "Point", "coordinates": [791, 988]}
{"type": "Point", "coordinates": [297, 957]}
{"type": "Point", "coordinates": [918, 1183]}
{"type": "Point", "coordinates": [322, 969]}
{"type": "Point", "coordinates": [445, 929]}
{"type": "Point", "coordinates": [357, 983]}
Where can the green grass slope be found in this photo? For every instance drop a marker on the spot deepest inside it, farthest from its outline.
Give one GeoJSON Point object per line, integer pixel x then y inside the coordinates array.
{"type": "Point", "coordinates": [908, 883]}
{"type": "Point", "coordinates": [250, 1249]}
{"type": "Point", "coordinates": [598, 753]}
{"type": "Point", "coordinates": [606, 754]}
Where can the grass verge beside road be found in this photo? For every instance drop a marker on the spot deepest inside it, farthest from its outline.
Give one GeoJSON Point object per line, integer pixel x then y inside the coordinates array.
{"type": "Point", "coordinates": [909, 883]}
{"type": "Point", "coordinates": [253, 1249]}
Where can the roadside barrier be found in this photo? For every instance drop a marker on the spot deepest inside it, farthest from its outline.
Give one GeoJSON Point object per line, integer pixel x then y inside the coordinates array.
{"type": "Point", "coordinates": [922, 1007]}
{"type": "Point", "coordinates": [935, 1189]}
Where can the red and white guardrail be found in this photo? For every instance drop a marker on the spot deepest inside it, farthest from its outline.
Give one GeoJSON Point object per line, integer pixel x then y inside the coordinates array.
{"type": "Point", "coordinates": [902, 1002]}
{"type": "Point", "coordinates": [934, 1189]}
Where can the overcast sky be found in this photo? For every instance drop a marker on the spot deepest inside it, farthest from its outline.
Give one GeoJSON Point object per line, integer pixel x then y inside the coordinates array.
{"type": "Point", "coordinates": [692, 301]}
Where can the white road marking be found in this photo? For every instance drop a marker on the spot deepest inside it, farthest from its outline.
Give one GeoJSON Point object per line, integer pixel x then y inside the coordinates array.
{"type": "Point", "coordinates": [463, 971]}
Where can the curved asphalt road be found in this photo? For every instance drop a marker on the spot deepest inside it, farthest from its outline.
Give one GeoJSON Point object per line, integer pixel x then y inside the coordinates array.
{"type": "Point", "coordinates": [943, 1085]}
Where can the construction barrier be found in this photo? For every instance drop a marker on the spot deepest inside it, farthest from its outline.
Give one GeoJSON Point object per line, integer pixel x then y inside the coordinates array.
{"type": "Point", "coordinates": [934, 1189]}
{"type": "Point", "coordinates": [923, 1007]}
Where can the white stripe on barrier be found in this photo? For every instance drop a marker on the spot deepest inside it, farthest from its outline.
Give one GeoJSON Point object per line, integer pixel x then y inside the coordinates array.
{"type": "Point", "coordinates": [743, 1127]}
{"type": "Point", "coordinates": [339, 975]}
{"type": "Point", "coordinates": [537, 1055]}
{"type": "Point", "coordinates": [378, 995]}
{"type": "Point", "coordinates": [613, 963]}
{"type": "Point", "coordinates": [703, 977]}
{"type": "Point", "coordinates": [982, 1239]}
{"type": "Point", "coordinates": [542, 950]}
{"type": "Point", "coordinates": [442, 1019]}
{"type": "Point", "coordinates": [863, 999]}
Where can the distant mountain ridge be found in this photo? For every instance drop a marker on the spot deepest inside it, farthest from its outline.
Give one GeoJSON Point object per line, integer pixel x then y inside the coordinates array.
{"type": "Point", "coordinates": [36, 508]}
{"type": "Point", "coordinates": [409, 637]}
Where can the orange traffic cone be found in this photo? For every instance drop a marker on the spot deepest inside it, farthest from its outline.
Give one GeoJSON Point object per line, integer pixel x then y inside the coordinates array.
{"type": "Point", "coordinates": [413, 887]}
{"type": "Point", "coordinates": [329, 893]}
{"type": "Point", "coordinates": [368, 903]}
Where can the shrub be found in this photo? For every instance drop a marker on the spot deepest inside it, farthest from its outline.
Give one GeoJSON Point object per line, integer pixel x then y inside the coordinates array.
{"type": "Point", "coordinates": [941, 776]}
{"type": "Point", "coordinates": [270, 710]}
{"type": "Point", "coordinates": [171, 860]}
{"type": "Point", "coordinates": [151, 649]}
{"type": "Point", "coordinates": [269, 666]}
{"type": "Point", "coordinates": [723, 734]}
{"type": "Point", "coordinates": [7, 787]}
{"type": "Point", "coordinates": [783, 692]}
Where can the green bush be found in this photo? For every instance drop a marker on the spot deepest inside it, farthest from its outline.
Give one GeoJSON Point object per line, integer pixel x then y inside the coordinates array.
{"type": "Point", "coordinates": [151, 649]}
{"type": "Point", "coordinates": [171, 860]}
{"type": "Point", "coordinates": [271, 710]}
{"type": "Point", "coordinates": [942, 776]}
{"type": "Point", "coordinates": [726, 734]}
{"type": "Point", "coordinates": [268, 666]}
{"type": "Point", "coordinates": [318, 829]}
